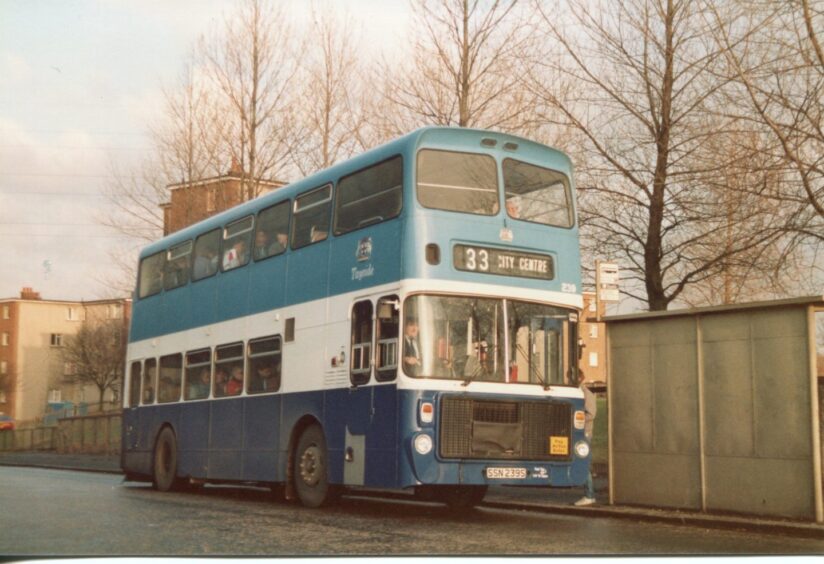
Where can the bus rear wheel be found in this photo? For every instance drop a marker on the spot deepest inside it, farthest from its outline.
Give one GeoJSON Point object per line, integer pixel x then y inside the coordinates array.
{"type": "Point", "coordinates": [165, 461]}
{"type": "Point", "coordinates": [311, 469]}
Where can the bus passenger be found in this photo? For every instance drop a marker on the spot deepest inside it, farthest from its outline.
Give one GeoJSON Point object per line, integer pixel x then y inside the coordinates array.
{"type": "Point", "coordinates": [235, 384]}
{"type": "Point", "coordinates": [236, 256]}
{"type": "Point", "coordinates": [261, 248]}
{"type": "Point", "coordinates": [411, 349]}
{"type": "Point", "coordinates": [199, 388]}
{"type": "Point", "coordinates": [205, 264]}
{"type": "Point", "coordinates": [264, 380]}
{"type": "Point", "coordinates": [221, 379]}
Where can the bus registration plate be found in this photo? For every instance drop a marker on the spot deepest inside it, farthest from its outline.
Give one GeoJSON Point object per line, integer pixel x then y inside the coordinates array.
{"type": "Point", "coordinates": [506, 473]}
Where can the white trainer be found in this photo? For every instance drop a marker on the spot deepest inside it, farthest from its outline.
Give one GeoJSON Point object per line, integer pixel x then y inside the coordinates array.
{"type": "Point", "coordinates": [584, 501]}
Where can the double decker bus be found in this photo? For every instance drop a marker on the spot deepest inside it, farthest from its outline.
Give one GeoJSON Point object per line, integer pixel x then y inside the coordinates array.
{"type": "Point", "coordinates": [406, 319]}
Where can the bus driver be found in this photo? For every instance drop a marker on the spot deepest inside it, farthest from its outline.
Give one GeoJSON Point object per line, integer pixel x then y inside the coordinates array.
{"type": "Point", "coordinates": [411, 348]}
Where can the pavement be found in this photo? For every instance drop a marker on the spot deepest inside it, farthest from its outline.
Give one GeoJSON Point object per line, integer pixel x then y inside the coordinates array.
{"type": "Point", "coordinates": [551, 500]}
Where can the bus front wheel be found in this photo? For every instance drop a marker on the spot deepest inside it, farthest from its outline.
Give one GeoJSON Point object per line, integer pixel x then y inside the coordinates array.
{"type": "Point", "coordinates": [311, 468]}
{"type": "Point", "coordinates": [165, 461]}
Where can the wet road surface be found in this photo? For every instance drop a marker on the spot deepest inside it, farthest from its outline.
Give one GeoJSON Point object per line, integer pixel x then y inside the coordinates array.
{"type": "Point", "coordinates": [54, 512]}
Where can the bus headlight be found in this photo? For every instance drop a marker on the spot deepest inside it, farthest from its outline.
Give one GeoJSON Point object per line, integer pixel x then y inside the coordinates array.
{"type": "Point", "coordinates": [423, 444]}
{"type": "Point", "coordinates": [582, 449]}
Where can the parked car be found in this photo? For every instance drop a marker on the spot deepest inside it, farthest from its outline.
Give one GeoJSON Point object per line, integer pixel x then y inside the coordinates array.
{"type": "Point", "coordinates": [6, 423]}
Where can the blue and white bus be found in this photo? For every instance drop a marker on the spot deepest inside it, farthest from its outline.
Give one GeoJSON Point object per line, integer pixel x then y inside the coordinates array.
{"type": "Point", "coordinates": [406, 319]}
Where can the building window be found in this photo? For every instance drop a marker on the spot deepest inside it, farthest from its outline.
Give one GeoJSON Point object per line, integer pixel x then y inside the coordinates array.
{"type": "Point", "coordinates": [68, 369]}
{"type": "Point", "coordinates": [593, 359]}
{"type": "Point", "coordinates": [54, 396]}
{"type": "Point", "coordinates": [113, 312]}
{"type": "Point", "coordinates": [56, 340]}
{"type": "Point", "coordinates": [2, 396]}
{"type": "Point", "coordinates": [593, 331]}
{"type": "Point", "coordinates": [591, 306]}
{"type": "Point", "coordinates": [4, 339]}
{"type": "Point", "coordinates": [3, 367]}
{"type": "Point", "coordinates": [211, 192]}
{"type": "Point", "coordinates": [5, 312]}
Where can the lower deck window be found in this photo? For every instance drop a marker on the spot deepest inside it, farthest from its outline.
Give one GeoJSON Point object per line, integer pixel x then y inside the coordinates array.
{"type": "Point", "coordinates": [264, 365]}
{"type": "Point", "coordinates": [228, 370]}
{"type": "Point", "coordinates": [171, 367]}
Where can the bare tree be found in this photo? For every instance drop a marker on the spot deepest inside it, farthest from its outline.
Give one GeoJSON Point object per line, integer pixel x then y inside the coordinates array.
{"type": "Point", "coordinates": [463, 66]}
{"type": "Point", "coordinates": [332, 116]}
{"type": "Point", "coordinates": [97, 354]}
{"type": "Point", "coordinates": [775, 55]}
{"type": "Point", "coordinates": [252, 60]}
{"type": "Point", "coordinates": [647, 104]}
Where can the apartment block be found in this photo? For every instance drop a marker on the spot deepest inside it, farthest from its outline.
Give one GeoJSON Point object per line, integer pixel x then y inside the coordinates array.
{"type": "Point", "coordinates": [33, 332]}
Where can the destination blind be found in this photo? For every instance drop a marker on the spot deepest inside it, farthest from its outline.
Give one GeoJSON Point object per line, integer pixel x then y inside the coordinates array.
{"type": "Point", "coordinates": [488, 260]}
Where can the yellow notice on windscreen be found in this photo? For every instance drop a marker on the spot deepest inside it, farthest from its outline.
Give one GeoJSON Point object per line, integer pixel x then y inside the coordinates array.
{"type": "Point", "coordinates": [559, 445]}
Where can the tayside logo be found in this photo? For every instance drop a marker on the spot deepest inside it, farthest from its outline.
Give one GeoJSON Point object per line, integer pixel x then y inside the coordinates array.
{"type": "Point", "coordinates": [364, 251]}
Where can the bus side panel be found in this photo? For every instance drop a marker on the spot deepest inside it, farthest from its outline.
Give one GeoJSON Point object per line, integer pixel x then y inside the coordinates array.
{"type": "Point", "coordinates": [226, 439]}
{"type": "Point", "coordinates": [367, 257]}
{"type": "Point", "coordinates": [267, 284]}
{"type": "Point", "coordinates": [382, 439]}
{"type": "Point", "coordinates": [136, 454]}
{"type": "Point", "coordinates": [204, 302]}
{"type": "Point", "coordinates": [346, 420]}
{"type": "Point", "coordinates": [176, 308]}
{"type": "Point", "coordinates": [192, 440]}
{"type": "Point", "coordinates": [146, 317]}
{"type": "Point", "coordinates": [308, 272]}
{"type": "Point", "coordinates": [261, 422]}
{"type": "Point", "coordinates": [233, 293]}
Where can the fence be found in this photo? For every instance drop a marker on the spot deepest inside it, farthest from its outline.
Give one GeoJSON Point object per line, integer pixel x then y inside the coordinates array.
{"type": "Point", "coordinates": [98, 434]}
{"type": "Point", "coordinates": [717, 409]}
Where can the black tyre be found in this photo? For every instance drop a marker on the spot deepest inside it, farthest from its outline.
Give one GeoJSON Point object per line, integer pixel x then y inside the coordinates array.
{"type": "Point", "coordinates": [165, 461]}
{"type": "Point", "coordinates": [310, 471]}
{"type": "Point", "coordinates": [462, 497]}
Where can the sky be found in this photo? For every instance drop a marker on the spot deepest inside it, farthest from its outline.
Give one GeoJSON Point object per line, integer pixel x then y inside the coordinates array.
{"type": "Point", "coordinates": [80, 81]}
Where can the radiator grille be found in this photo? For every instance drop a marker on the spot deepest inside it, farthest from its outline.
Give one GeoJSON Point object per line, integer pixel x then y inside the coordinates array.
{"type": "Point", "coordinates": [494, 429]}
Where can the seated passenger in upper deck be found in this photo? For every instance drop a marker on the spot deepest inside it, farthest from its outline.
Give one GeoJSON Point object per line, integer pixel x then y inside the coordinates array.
{"type": "Point", "coordinates": [236, 256]}
{"type": "Point", "coordinates": [264, 248]}
{"type": "Point", "coordinates": [205, 264]}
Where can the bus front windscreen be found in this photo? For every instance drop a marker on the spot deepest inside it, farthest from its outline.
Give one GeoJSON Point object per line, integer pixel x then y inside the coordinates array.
{"type": "Point", "coordinates": [460, 182]}
{"type": "Point", "coordinates": [489, 340]}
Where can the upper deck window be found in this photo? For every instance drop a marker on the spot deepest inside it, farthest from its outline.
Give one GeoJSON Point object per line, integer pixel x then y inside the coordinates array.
{"type": "Point", "coordinates": [462, 182]}
{"type": "Point", "coordinates": [151, 274]}
{"type": "Point", "coordinates": [207, 248]}
{"type": "Point", "coordinates": [178, 266]}
{"type": "Point", "coordinates": [537, 194]}
{"type": "Point", "coordinates": [272, 233]}
{"type": "Point", "coordinates": [311, 222]}
{"type": "Point", "coordinates": [369, 196]}
{"type": "Point", "coordinates": [237, 239]}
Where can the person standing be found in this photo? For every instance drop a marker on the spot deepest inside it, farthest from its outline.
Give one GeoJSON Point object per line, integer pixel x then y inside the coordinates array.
{"type": "Point", "coordinates": [590, 409]}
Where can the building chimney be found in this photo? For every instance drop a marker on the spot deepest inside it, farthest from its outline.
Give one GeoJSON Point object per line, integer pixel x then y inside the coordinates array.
{"type": "Point", "coordinates": [28, 294]}
{"type": "Point", "coordinates": [236, 169]}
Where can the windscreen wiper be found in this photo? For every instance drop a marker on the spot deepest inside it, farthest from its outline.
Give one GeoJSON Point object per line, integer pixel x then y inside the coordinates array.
{"type": "Point", "coordinates": [533, 366]}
